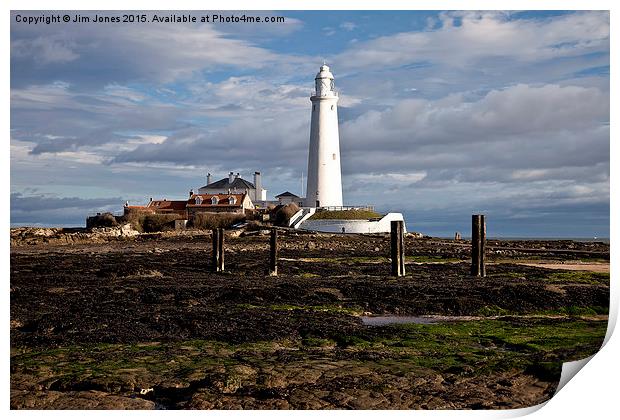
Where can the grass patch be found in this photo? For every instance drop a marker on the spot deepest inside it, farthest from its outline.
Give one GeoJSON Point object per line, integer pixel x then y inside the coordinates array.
{"type": "Point", "coordinates": [524, 336]}
{"type": "Point", "coordinates": [317, 308]}
{"type": "Point", "coordinates": [345, 215]}
{"type": "Point", "coordinates": [348, 260]}
{"type": "Point", "coordinates": [381, 259]}
{"type": "Point", "coordinates": [314, 308]}
{"type": "Point", "coordinates": [317, 342]}
{"type": "Point", "coordinates": [578, 311]}
{"type": "Point", "coordinates": [582, 277]}
{"type": "Point", "coordinates": [484, 346]}
{"type": "Point", "coordinates": [508, 274]}
{"type": "Point", "coordinates": [429, 259]}
{"type": "Point", "coordinates": [464, 348]}
{"type": "Point", "coordinates": [492, 310]}
{"type": "Point", "coordinates": [575, 311]}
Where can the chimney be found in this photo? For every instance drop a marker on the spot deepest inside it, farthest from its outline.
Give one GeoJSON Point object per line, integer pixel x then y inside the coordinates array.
{"type": "Point", "coordinates": [208, 178]}
{"type": "Point", "coordinates": [258, 184]}
{"type": "Point", "coordinates": [231, 178]}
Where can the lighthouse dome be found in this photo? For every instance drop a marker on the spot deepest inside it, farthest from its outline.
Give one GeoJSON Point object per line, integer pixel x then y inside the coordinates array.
{"type": "Point", "coordinates": [324, 73]}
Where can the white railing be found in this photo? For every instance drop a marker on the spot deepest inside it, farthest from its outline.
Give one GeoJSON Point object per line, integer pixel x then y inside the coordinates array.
{"type": "Point", "coordinates": [313, 94]}
{"type": "Point", "coordinates": [341, 208]}
{"type": "Point", "coordinates": [306, 213]}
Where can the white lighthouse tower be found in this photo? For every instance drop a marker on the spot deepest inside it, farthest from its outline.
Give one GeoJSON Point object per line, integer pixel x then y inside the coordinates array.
{"type": "Point", "coordinates": [324, 187]}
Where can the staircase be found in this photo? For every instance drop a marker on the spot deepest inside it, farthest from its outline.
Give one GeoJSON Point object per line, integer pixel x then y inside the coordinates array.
{"type": "Point", "coordinates": [301, 216]}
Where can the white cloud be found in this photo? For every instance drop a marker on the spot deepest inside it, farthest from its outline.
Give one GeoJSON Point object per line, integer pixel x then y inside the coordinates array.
{"type": "Point", "coordinates": [481, 35]}
{"type": "Point", "coordinates": [329, 31]}
{"type": "Point", "coordinates": [161, 52]}
{"type": "Point", "coordinates": [348, 26]}
{"type": "Point", "coordinates": [45, 50]}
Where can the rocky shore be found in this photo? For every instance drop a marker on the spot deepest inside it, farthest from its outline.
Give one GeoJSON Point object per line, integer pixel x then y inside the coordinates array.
{"type": "Point", "coordinates": [114, 319]}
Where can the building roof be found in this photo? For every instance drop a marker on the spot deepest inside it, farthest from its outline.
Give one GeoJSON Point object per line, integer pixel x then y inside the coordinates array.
{"type": "Point", "coordinates": [140, 208]}
{"type": "Point", "coordinates": [224, 200]}
{"type": "Point", "coordinates": [238, 183]}
{"type": "Point", "coordinates": [166, 205]}
{"type": "Point", "coordinates": [287, 194]}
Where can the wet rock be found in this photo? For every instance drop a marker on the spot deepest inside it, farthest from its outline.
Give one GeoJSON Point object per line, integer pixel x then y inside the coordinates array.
{"type": "Point", "coordinates": [308, 399]}
{"type": "Point", "coordinates": [76, 400]}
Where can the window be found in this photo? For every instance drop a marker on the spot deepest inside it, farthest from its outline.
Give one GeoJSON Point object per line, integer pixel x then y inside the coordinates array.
{"type": "Point", "coordinates": [332, 107]}
{"type": "Point", "coordinates": [198, 200]}
{"type": "Point", "coordinates": [313, 107]}
{"type": "Point", "coordinates": [232, 200]}
{"type": "Point", "coordinates": [214, 200]}
{"type": "Point", "coordinates": [334, 156]}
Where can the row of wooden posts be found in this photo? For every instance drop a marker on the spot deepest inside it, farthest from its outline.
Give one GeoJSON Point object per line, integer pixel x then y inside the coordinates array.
{"type": "Point", "coordinates": [217, 256]}
{"type": "Point", "coordinates": [397, 248]}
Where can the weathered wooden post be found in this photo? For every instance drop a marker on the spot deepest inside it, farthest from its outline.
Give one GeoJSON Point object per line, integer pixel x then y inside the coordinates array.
{"type": "Point", "coordinates": [273, 253]}
{"type": "Point", "coordinates": [217, 257]}
{"type": "Point", "coordinates": [220, 240]}
{"type": "Point", "coordinates": [478, 239]}
{"type": "Point", "coordinates": [214, 245]}
{"type": "Point", "coordinates": [397, 248]}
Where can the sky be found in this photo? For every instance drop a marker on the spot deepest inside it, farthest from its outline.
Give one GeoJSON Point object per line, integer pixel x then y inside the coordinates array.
{"type": "Point", "coordinates": [442, 114]}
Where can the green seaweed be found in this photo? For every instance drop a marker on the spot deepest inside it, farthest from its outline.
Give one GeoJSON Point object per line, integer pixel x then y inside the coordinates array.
{"type": "Point", "coordinates": [582, 277]}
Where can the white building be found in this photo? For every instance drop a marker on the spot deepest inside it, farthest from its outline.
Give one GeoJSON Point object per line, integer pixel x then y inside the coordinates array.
{"type": "Point", "coordinates": [288, 197]}
{"type": "Point", "coordinates": [324, 187]}
{"type": "Point", "coordinates": [234, 184]}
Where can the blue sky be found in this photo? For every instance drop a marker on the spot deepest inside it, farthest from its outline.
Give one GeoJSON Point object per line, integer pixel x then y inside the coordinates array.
{"type": "Point", "coordinates": [442, 114]}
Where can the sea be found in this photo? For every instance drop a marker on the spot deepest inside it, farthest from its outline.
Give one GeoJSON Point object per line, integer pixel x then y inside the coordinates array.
{"type": "Point", "coordinates": [604, 240]}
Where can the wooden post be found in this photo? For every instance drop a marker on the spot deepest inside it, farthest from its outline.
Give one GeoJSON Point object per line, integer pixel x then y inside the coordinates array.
{"type": "Point", "coordinates": [483, 241]}
{"type": "Point", "coordinates": [217, 257]}
{"type": "Point", "coordinates": [478, 239]}
{"type": "Point", "coordinates": [273, 253]}
{"type": "Point", "coordinates": [397, 248]}
{"type": "Point", "coordinates": [220, 238]}
{"type": "Point", "coordinates": [215, 245]}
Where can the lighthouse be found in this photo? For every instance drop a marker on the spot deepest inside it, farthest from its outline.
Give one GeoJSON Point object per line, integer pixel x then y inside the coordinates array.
{"type": "Point", "coordinates": [324, 185]}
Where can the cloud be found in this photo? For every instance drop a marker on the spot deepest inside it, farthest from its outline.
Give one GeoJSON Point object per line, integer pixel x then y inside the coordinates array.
{"type": "Point", "coordinates": [329, 31]}
{"type": "Point", "coordinates": [520, 127]}
{"type": "Point", "coordinates": [348, 26]}
{"type": "Point", "coordinates": [45, 50]}
{"type": "Point", "coordinates": [57, 118]}
{"type": "Point", "coordinates": [121, 53]}
{"type": "Point", "coordinates": [44, 202]}
{"type": "Point", "coordinates": [32, 209]}
{"type": "Point", "coordinates": [479, 35]}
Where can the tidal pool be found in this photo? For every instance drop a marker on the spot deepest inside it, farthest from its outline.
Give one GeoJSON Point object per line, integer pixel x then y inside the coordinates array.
{"type": "Point", "coordinates": [424, 319]}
